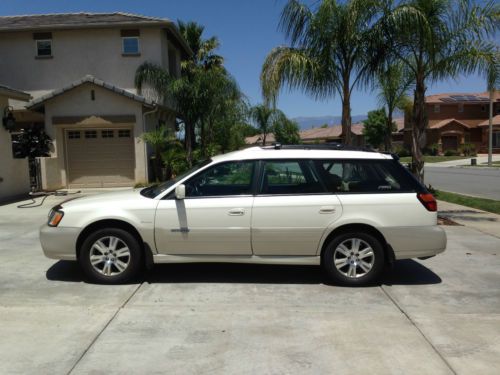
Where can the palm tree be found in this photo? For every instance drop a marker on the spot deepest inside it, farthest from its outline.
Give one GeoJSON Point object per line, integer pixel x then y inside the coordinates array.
{"type": "Point", "coordinates": [331, 52]}
{"type": "Point", "coordinates": [183, 90]}
{"type": "Point", "coordinates": [157, 139]}
{"type": "Point", "coordinates": [436, 40]}
{"type": "Point", "coordinates": [393, 83]}
{"type": "Point", "coordinates": [265, 117]}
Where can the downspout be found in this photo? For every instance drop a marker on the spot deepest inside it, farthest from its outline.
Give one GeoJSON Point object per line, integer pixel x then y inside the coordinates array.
{"type": "Point", "coordinates": [145, 146]}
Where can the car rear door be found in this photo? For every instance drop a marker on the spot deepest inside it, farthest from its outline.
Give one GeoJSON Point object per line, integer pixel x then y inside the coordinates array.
{"type": "Point", "coordinates": [291, 210]}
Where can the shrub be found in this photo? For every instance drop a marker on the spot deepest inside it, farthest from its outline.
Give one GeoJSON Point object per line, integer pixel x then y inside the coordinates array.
{"type": "Point", "coordinates": [451, 153]}
{"type": "Point", "coordinates": [468, 149]}
{"type": "Point", "coordinates": [431, 150]}
{"type": "Point", "coordinates": [402, 151]}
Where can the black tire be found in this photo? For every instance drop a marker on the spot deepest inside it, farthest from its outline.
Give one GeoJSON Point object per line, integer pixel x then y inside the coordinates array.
{"type": "Point", "coordinates": [339, 274]}
{"type": "Point", "coordinates": [115, 275]}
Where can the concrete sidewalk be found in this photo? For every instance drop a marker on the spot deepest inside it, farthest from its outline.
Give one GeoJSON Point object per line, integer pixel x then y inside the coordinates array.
{"type": "Point", "coordinates": [481, 158]}
{"type": "Point", "coordinates": [485, 222]}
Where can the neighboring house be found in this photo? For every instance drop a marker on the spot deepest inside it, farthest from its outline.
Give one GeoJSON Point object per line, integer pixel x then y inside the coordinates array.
{"type": "Point", "coordinates": [79, 69]}
{"type": "Point", "coordinates": [330, 134]}
{"type": "Point", "coordinates": [455, 119]}
{"type": "Point", "coordinates": [14, 175]}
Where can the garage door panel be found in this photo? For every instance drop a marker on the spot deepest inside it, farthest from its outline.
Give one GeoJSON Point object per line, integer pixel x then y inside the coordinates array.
{"type": "Point", "coordinates": [99, 162]}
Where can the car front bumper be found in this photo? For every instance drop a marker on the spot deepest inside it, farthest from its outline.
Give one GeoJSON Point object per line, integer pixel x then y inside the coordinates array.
{"type": "Point", "coordinates": [59, 242]}
{"type": "Point", "coordinates": [415, 242]}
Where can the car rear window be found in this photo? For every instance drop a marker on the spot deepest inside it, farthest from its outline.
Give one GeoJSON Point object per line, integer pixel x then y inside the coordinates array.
{"type": "Point", "coordinates": [365, 176]}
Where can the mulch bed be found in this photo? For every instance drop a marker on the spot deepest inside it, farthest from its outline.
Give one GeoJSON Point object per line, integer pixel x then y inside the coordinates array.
{"type": "Point", "coordinates": [445, 221]}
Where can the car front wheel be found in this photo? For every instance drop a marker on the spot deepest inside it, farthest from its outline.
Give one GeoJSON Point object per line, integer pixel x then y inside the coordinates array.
{"type": "Point", "coordinates": [354, 259]}
{"type": "Point", "coordinates": [110, 256]}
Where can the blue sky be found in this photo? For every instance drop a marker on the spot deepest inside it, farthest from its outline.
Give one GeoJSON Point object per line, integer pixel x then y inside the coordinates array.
{"type": "Point", "coordinates": [247, 30]}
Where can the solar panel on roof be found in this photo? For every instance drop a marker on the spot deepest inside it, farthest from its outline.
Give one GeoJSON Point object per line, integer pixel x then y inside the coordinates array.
{"type": "Point", "coordinates": [447, 100]}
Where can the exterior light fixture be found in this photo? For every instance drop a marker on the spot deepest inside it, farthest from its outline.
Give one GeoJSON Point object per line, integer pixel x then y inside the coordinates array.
{"type": "Point", "coordinates": [8, 120]}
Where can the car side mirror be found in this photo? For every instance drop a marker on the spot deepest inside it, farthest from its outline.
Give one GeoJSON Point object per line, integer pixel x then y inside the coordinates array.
{"type": "Point", "coordinates": [180, 191]}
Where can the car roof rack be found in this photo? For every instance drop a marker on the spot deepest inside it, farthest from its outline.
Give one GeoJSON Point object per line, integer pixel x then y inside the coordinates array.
{"type": "Point", "coordinates": [322, 146]}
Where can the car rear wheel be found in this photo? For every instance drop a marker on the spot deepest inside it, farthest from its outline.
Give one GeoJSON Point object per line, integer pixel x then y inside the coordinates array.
{"type": "Point", "coordinates": [353, 259]}
{"type": "Point", "coordinates": [110, 256]}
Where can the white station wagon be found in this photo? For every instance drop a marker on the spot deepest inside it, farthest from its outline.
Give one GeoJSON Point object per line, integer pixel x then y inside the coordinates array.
{"type": "Point", "coordinates": [349, 211]}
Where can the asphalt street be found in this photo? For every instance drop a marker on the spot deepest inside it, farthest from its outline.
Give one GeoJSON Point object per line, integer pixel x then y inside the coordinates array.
{"type": "Point", "coordinates": [438, 316]}
{"type": "Point", "coordinates": [480, 182]}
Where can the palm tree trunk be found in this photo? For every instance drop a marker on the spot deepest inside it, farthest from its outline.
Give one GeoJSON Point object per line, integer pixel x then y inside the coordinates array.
{"type": "Point", "coordinates": [346, 116]}
{"type": "Point", "coordinates": [418, 129]}
{"type": "Point", "coordinates": [388, 136]}
{"type": "Point", "coordinates": [264, 136]}
{"type": "Point", "coordinates": [346, 112]}
{"type": "Point", "coordinates": [188, 141]}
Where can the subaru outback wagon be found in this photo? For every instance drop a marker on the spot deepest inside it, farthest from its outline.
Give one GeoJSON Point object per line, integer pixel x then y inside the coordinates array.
{"type": "Point", "coordinates": [349, 211]}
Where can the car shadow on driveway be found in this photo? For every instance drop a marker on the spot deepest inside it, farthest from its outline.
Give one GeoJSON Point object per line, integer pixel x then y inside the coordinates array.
{"type": "Point", "coordinates": [404, 272]}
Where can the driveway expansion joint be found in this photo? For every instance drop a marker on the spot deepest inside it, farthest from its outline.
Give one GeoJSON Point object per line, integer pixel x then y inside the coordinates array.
{"type": "Point", "coordinates": [408, 317]}
{"type": "Point", "coordinates": [122, 306]}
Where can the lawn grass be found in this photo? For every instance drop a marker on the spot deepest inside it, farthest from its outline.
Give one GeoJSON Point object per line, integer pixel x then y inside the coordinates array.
{"type": "Point", "coordinates": [489, 205]}
{"type": "Point", "coordinates": [433, 159]}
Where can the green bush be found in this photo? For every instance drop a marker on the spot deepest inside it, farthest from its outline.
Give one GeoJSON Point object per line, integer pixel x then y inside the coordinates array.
{"type": "Point", "coordinates": [468, 149]}
{"type": "Point", "coordinates": [431, 150]}
{"type": "Point", "coordinates": [451, 153]}
{"type": "Point", "coordinates": [402, 151]}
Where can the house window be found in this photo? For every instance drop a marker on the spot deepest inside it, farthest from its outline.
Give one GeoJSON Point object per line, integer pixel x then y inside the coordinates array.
{"type": "Point", "coordinates": [123, 133]}
{"type": "Point", "coordinates": [496, 139]}
{"type": "Point", "coordinates": [43, 44]}
{"type": "Point", "coordinates": [90, 134]}
{"type": "Point", "coordinates": [44, 48]}
{"type": "Point", "coordinates": [437, 108]}
{"type": "Point", "coordinates": [107, 133]}
{"type": "Point", "coordinates": [460, 107]}
{"type": "Point", "coordinates": [73, 134]}
{"type": "Point", "coordinates": [130, 45]}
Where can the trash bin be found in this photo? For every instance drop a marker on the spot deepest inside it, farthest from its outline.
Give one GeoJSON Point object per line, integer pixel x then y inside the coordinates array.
{"type": "Point", "coordinates": [473, 161]}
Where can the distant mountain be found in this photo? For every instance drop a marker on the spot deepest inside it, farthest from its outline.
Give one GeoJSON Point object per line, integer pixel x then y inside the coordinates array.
{"type": "Point", "coordinates": [316, 121]}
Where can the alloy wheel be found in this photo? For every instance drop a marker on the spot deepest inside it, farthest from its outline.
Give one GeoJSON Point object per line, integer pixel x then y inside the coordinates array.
{"type": "Point", "coordinates": [354, 258]}
{"type": "Point", "coordinates": [109, 256]}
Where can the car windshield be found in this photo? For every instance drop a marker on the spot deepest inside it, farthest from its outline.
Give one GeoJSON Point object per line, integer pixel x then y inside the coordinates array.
{"type": "Point", "coordinates": [153, 191]}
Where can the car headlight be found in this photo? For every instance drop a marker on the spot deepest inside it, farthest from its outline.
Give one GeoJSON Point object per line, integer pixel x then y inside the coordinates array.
{"type": "Point", "coordinates": [55, 216]}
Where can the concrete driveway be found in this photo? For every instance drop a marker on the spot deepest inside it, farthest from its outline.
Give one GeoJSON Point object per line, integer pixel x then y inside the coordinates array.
{"type": "Point", "coordinates": [438, 316]}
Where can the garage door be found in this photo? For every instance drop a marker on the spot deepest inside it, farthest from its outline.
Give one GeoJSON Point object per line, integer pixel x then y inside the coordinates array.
{"type": "Point", "coordinates": [100, 158]}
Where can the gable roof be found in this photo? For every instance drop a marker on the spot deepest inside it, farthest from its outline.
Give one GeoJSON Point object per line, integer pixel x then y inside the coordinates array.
{"type": "Point", "coordinates": [448, 121]}
{"type": "Point", "coordinates": [84, 20]}
{"type": "Point", "coordinates": [13, 93]}
{"type": "Point", "coordinates": [90, 79]}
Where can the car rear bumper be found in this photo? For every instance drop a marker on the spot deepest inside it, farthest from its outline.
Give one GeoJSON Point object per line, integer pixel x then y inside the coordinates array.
{"type": "Point", "coordinates": [415, 242]}
{"type": "Point", "coordinates": [59, 242]}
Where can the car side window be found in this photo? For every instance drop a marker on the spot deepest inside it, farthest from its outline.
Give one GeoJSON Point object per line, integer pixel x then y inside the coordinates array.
{"type": "Point", "coordinates": [290, 177]}
{"type": "Point", "coordinates": [364, 176]}
{"type": "Point", "coordinates": [231, 178]}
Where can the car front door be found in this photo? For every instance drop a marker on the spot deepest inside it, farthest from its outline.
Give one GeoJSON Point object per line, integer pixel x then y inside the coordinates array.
{"type": "Point", "coordinates": [214, 218]}
{"type": "Point", "coordinates": [291, 210]}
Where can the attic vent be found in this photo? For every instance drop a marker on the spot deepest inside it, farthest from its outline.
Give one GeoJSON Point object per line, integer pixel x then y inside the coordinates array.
{"type": "Point", "coordinates": [130, 32]}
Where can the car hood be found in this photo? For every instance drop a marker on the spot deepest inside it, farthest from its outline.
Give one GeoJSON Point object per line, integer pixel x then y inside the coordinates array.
{"type": "Point", "coordinates": [120, 198]}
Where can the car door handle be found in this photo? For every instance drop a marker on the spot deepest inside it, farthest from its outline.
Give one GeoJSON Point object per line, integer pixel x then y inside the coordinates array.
{"type": "Point", "coordinates": [236, 212]}
{"type": "Point", "coordinates": [327, 210]}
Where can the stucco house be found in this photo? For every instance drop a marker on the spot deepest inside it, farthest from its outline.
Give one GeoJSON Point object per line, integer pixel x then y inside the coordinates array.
{"type": "Point", "coordinates": [79, 69]}
{"type": "Point", "coordinates": [14, 174]}
{"type": "Point", "coordinates": [458, 118]}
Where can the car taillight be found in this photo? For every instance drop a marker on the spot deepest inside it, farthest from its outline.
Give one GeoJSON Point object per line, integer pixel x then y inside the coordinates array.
{"type": "Point", "coordinates": [428, 200]}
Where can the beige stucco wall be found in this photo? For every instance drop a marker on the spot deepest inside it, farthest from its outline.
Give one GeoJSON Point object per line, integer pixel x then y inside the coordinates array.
{"type": "Point", "coordinates": [14, 173]}
{"type": "Point", "coordinates": [77, 102]}
{"type": "Point", "coordinates": [77, 53]}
